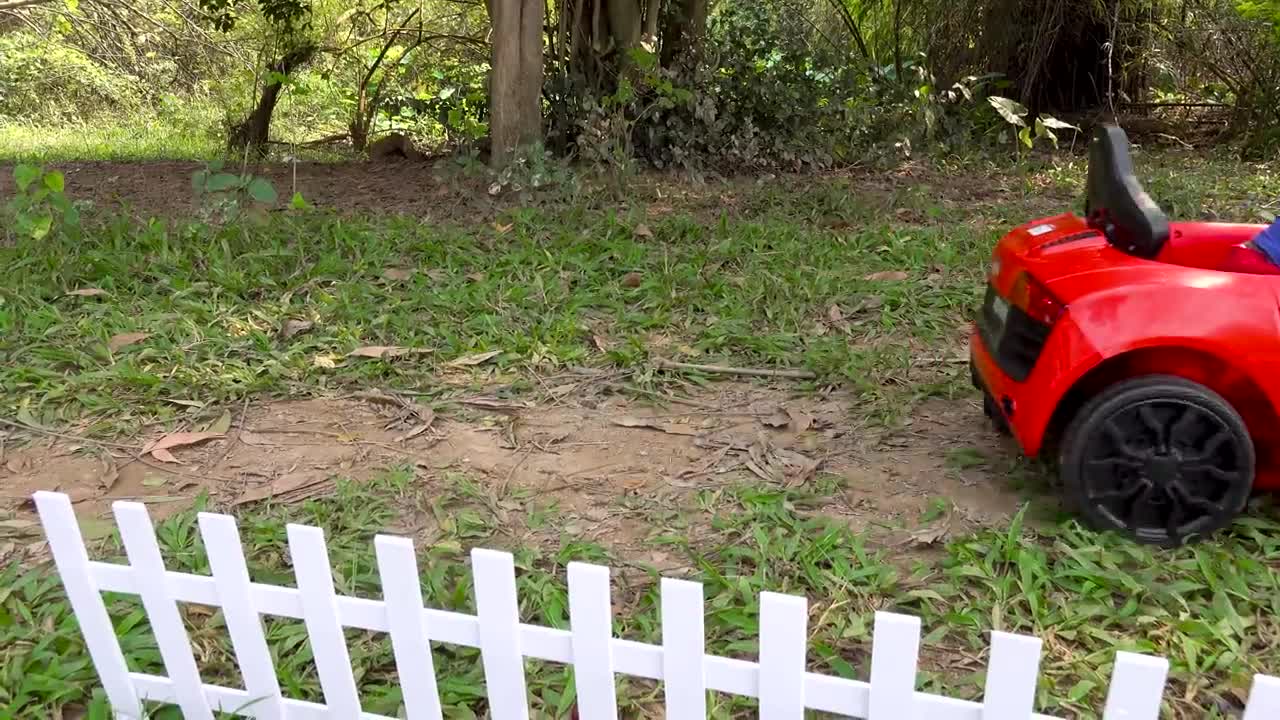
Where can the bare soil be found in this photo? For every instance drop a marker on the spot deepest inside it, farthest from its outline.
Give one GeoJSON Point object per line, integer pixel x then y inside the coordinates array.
{"type": "Point", "coordinates": [611, 464]}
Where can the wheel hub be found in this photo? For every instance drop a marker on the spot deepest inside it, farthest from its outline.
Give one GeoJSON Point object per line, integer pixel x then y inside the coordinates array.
{"type": "Point", "coordinates": [1163, 470]}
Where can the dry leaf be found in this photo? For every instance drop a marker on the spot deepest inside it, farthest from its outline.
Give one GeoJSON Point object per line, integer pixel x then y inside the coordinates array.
{"type": "Point", "coordinates": [476, 277]}
{"type": "Point", "coordinates": [154, 480]}
{"type": "Point", "coordinates": [642, 231]}
{"type": "Point", "coordinates": [125, 339]}
{"type": "Point", "coordinates": [503, 228]}
{"type": "Point", "coordinates": [384, 351]}
{"type": "Point", "coordinates": [778, 419]}
{"type": "Point", "coordinates": [87, 292]}
{"type": "Point", "coordinates": [159, 449]}
{"type": "Point", "coordinates": [397, 274]}
{"type": "Point", "coordinates": [415, 432]}
{"type": "Point", "coordinates": [800, 420]}
{"type": "Point", "coordinates": [893, 275]}
{"type": "Point", "coordinates": [221, 425]}
{"type": "Point", "coordinates": [293, 327]}
{"type": "Point", "coordinates": [632, 280]}
{"type": "Point", "coordinates": [930, 534]}
{"type": "Point", "coordinates": [651, 424]}
{"type": "Point", "coordinates": [18, 465]}
{"type": "Point", "coordinates": [18, 527]}
{"type": "Point", "coordinates": [601, 344]}
{"type": "Point", "coordinates": [288, 488]}
{"type": "Point", "coordinates": [835, 314]}
{"type": "Point", "coordinates": [477, 359]}
{"type": "Point", "coordinates": [324, 361]}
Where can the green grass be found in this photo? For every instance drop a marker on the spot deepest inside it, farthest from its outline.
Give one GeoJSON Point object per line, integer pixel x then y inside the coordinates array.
{"type": "Point", "coordinates": [1211, 610]}
{"type": "Point", "coordinates": [134, 141]}
{"type": "Point", "coordinates": [756, 291]}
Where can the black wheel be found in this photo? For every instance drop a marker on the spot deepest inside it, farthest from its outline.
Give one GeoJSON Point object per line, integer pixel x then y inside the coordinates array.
{"type": "Point", "coordinates": [1159, 458]}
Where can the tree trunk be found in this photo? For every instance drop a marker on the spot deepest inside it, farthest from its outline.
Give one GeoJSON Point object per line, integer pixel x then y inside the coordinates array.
{"type": "Point", "coordinates": [683, 29]}
{"type": "Point", "coordinates": [254, 131]}
{"type": "Point", "coordinates": [515, 89]}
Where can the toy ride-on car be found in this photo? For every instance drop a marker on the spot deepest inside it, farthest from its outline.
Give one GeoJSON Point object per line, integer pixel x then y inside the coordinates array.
{"type": "Point", "coordinates": [1140, 355]}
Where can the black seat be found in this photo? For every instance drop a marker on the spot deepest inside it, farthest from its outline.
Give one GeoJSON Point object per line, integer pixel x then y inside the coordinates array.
{"type": "Point", "coordinates": [1116, 204]}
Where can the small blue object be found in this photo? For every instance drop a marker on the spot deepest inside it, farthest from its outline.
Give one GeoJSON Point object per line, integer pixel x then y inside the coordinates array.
{"type": "Point", "coordinates": [1269, 242]}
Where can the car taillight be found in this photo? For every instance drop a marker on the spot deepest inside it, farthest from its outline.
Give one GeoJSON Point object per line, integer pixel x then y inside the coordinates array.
{"type": "Point", "coordinates": [1035, 299]}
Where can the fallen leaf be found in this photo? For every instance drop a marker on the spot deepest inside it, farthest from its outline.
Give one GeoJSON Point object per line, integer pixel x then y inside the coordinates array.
{"type": "Point", "coordinates": [778, 419]}
{"type": "Point", "coordinates": [185, 403]}
{"type": "Point", "coordinates": [632, 280]}
{"type": "Point", "coordinates": [601, 344]}
{"type": "Point", "coordinates": [125, 339]}
{"type": "Point", "coordinates": [397, 274]}
{"type": "Point", "coordinates": [651, 424]}
{"type": "Point", "coordinates": [18, 527]}
{"type": "Point", "coordinates": [287, 488]}
{"type": "Point", "coordinates": [87, 292]}
{"type": "Point", "coordinates": [159, 449]}
{"type": "Point", "coordinates": [221, 425]}
{"type": "Point", "coordinates": [893, 275]}
{"type": "Point", "coordinates": [165, 456]}
{"type": "Point", "coordinates": [799, 420]}
{"type": "Point", "coordinates": [502, 228]}
{"type": "Point", "coordinates": [293, 327]}
{"type": "Point", "coordinates": [476, 277]}
{"type": "Point", "coordinates": [873, 302]}
{"type": "Point", "coordinates": [110, 473]}
{"type": "Point", "coordinates": [835, 314]}
{"type": "Point", "coordinates": [929, 534]}
{"type": "Point", "coordinates": [477, 359]}
{"type": "Point", "coordinates": [18, 465]}
{"type": "Point", "coordinates": [154, 480]}
{"type": "Point", "coordinates": [324, 361]}
{"type": "Point", "coordinates": [413, 433]}
{"type": "Point", "coordinates": [642, 231]}
{"type": "Point", "coordinates": [384, 351]}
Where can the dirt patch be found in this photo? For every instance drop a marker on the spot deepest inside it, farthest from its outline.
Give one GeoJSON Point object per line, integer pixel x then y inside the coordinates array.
{"type": "Point", "coordinates": [607, 462]}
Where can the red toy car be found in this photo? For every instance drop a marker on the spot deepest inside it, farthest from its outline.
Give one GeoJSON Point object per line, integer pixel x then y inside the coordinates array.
{"type": "Point", "coordinates": [1143, 356]}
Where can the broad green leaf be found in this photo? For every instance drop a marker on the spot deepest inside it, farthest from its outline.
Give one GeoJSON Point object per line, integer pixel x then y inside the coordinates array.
{"type": "Point", "coordinates": [38, 227]}
{"type": "Point", "coordinates": [1052, 122]}
{"type": "Point", "coordinates": [55, 181]}
{"type": "Point", "coordinates": [1025, 136]}
{"type": "Point", "coordinates": [298, 202]}
{"type": "Point", "coordinates": [222, 182]}
{"type": "Point", "coordinates": [1043, 131]}
{"type": "Point", "coordinates": [1012, 111]}
{"type": "Point", "coordinates": [24, 175]}
{"type": "Point", "coordinates": [260, 190]}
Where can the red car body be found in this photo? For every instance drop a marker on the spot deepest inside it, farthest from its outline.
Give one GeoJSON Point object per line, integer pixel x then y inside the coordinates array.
{"type": "Point", "coordinates": [1125, 316]}
{"type": "Point", "coordinates": [1142, 356]}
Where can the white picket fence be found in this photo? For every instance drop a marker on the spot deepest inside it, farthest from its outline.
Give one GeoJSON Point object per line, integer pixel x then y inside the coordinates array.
{"type": "Point", "coordinates": [778, 680]}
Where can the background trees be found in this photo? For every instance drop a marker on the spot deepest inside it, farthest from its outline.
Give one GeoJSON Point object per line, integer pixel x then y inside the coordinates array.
{"type": "Point", "coordinates": [669, 82]}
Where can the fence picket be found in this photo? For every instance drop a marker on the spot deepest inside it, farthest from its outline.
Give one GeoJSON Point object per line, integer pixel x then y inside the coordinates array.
{"type": "Point", "coordinates": [244, 624]}
{"type": "Point", "coordinates": [1137, 687]}
{"type": "Point", "coordinates": [314, 576]}
{"type": "Point", "coordinates": [140, 545]}
{"type": "Point", "coordinates": [779, 680]}
{"type": "Point", "coordinates": [72, 561]}
{"type": "Point", "coordinates": [784, 634]}
{"type": "Point", "coordinates": [1011, 677]}
{"type": "Point", "coordinates": [398, 570]}
{"type": "Point", "coordinates": [895, 651]}
{"type": "Point", "coordinates": [684, 675]}
{"type": "Point", "coordinates": [498, 609]}
{"type": "Point", "coordinates": [1264, 699]}
{"type": "Point", "coordinates": [591, 618]}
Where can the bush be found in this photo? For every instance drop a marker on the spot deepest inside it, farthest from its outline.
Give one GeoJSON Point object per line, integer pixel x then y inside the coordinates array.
{"type": "Point", "coordinates": [55, 82]}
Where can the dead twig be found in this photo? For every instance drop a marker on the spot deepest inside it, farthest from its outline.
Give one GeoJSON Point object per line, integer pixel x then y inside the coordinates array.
{"type": "Point", "coordinates": [663, 363]}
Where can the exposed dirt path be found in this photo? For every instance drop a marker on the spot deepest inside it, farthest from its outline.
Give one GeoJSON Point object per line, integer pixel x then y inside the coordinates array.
{"type": "Point", "coordinates": [594, 455]}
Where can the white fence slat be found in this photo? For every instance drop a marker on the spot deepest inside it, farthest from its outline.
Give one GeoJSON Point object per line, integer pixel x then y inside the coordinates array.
{"type": "Point", "coordinates": [1264, 699]}
{"type": "Point", "coordinates": [591, 619]}
{"type": "Point", "coordinates": [1010, 692]}
{"type": "Point", "coordinates": [244, 624]}
{"type": "Point", "coordinates": [784, 636]}
{"type": "Point", "coordinates": [684, 676]}
{"type": "Point", "coordinates": [1137, 687]}
{"type": "Point", "coordinates": [162, 611]}
{"type": "Point", "coordinates": [72, 562]}
{"type": "Point", "coordinates": [398, 570]}
{"type": "Point", "coordinates": [895, 650]}
{"type": "Point", "coordinates": [311, 569]}
{"type": "Point", "coordinates": [494, 574]}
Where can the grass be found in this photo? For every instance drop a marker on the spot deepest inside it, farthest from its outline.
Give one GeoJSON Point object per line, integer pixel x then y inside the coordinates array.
{"type": "Point", "coordinates": [794, 273]}
{"type": "Point", "coordinates": [134, 141]}
{"type": "Point", "coordinates": [1211, 610]}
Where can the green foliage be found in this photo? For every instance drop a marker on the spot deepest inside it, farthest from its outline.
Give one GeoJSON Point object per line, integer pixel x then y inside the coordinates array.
{"type": "Point", "coordinates": [1015, 115]}
{"type": "Point", "coordinates": [224, 14]}
{"type": "Point", "coordinates": [40, 207]}
{"type": "Point", "coordinates": [57, 82]}
{"type": "Point", "coordinates": [224, 195]}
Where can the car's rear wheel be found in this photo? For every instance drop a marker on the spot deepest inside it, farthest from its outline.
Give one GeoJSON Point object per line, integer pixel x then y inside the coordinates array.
{"type": "Point", "coordinates": [1159, 458]}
